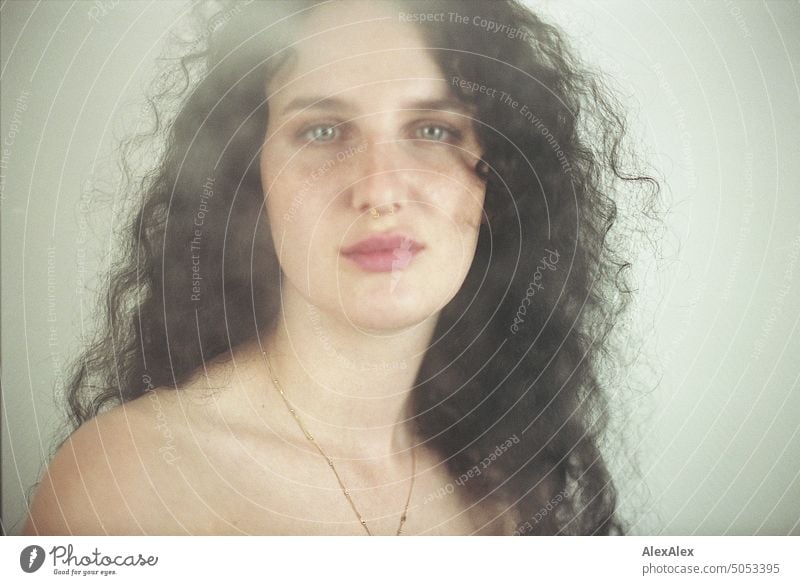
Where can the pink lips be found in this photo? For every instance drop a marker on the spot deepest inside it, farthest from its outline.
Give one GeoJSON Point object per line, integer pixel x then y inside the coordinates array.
{"type": "Point", "coordinates": [383, 253]}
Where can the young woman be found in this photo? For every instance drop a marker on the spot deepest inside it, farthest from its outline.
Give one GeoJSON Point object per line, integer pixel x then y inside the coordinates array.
{"type": "Point", "coordinates": [366, 292]}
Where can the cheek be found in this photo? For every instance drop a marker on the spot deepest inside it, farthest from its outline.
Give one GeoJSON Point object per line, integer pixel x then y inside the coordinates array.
{"type": "Point", "coordinates": [287, 215]}
{"type": "Point", "coordinates": [460, 200]}
{"type": "Point", "coordinates": [300, 187]}
{"type": "Point", "coordinates": [470, 214]}
{"type": "Point", "coordinates": [277, 188]}
{"type": "Point", "coordinates": [287, 195]}
{"type": "Point", "coordinates": [458, 192]}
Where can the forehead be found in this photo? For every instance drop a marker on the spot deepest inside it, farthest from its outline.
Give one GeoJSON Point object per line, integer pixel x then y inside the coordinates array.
{"type": "Point", "coordinates": [348, 47]}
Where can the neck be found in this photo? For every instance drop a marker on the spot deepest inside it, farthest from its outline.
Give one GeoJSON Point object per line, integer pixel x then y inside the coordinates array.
{"type": "Point", "coordinates": [351, 388]}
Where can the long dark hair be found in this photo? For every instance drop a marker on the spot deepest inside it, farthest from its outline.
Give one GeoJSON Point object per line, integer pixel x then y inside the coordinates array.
{"type": "Point", "coordinates": [513, 374]}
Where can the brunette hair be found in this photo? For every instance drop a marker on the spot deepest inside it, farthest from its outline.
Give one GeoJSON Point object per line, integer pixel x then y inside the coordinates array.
{"type": "Point", "coordinates": [516, 362]}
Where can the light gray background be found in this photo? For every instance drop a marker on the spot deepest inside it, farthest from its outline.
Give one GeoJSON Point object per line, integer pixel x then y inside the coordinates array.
{"type": "Point", "coordinates": [715, 106]}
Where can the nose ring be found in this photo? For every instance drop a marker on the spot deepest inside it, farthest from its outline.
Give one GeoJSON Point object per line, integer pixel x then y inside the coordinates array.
{"type": "Point", "coordinates": [376, 214]}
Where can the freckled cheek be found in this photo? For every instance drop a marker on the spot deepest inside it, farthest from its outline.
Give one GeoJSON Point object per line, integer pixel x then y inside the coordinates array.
{"type": "Point", "coordinates": [290, 195]}
{"type": "Point", "coordinates": [300, 222]}
{"type": "Point", "coordinates": [300, 248]}
{"type": "Point", "coordinates": [460, 200]}
{"type": "Point", "coordinates": [294, 216]}
{"type": "Point", "coordinates": [458, 191]}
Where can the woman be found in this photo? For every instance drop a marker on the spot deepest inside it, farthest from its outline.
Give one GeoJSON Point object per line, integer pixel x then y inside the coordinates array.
{"type": "Point", "coordinates": [367, 290]}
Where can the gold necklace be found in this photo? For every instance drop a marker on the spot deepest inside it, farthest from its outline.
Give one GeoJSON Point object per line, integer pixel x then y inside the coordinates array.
{"type": "Point", "coordinates": [329, 459]}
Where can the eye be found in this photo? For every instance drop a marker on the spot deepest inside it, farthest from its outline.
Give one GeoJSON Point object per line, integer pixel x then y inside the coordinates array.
{"type": "Point", "coordinates": [436, 133]}
{"type": "Point", "coordinates": [320, 133]}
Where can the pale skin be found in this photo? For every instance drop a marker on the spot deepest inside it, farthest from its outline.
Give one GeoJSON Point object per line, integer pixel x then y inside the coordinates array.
{"type": "Point", "coordinates": [222, 454]}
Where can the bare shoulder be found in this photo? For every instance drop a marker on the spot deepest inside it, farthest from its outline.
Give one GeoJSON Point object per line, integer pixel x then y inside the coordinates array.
{"type": "Point", "coordinates": [102, 478]}
{"type": "Point", "coordinates": [155, 465]}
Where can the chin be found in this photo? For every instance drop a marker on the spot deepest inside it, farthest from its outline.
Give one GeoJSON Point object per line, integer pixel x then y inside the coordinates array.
{"type": "Point", "coordinates": [390, 312]}
{"type": "Point", "coordinates": [387, 324]}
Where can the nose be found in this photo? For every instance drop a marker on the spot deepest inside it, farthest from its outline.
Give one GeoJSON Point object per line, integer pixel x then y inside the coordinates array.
{"type": "Point", "coordinates": [381, 182]}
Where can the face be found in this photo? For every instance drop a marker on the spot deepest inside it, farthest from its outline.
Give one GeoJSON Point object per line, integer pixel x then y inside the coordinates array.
{"type": "Point", "coordinates": [368, 169]}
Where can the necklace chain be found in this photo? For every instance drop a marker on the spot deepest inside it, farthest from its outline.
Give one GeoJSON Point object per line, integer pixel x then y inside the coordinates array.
{"type": "Point", "coordinates": [329, 459]}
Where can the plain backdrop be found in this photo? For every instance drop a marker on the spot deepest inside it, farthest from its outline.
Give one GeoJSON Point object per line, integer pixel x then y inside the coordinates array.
{"type": "Point", "coordinates": [712, 92]}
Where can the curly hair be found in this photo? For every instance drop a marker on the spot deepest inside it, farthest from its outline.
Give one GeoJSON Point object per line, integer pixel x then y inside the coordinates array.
{"type": "Point", "coordinates": [516, 356]}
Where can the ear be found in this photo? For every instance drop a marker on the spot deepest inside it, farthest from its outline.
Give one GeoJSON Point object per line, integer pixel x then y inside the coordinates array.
{"type": "Point", "coordinates": [482, 169]}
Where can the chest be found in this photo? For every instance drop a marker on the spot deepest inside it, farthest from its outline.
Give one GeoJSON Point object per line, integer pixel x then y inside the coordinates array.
{"type": "Point", "coordinates": [280, 493]}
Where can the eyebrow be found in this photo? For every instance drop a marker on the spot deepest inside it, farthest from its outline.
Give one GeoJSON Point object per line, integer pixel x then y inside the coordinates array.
{"type": "Point", "coordinates": [334, 103]}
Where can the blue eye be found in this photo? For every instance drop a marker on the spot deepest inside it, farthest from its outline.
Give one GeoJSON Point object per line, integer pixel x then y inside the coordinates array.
{"type": "Point", "coordinates": [321, 133]}
{"type": "Point", "coordinates": [436, 133]}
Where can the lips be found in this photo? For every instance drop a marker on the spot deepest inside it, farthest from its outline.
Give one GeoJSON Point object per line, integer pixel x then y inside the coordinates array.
{"type": "Point", "coordinates": [383, 253]}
